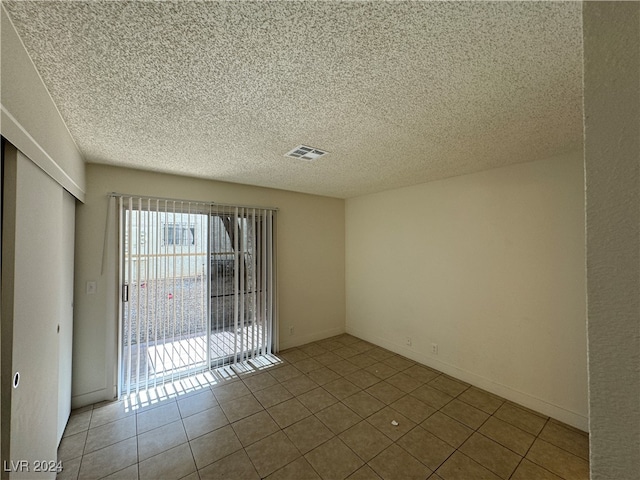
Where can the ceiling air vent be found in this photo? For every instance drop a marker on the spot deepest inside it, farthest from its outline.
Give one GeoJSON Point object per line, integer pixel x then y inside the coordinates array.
{"type": "Point", "coordinates": [305, 153]}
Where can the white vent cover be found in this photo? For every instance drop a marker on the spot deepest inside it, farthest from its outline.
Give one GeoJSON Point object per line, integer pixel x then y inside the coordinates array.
{"type": "Point", "coordinates": [305, 153]}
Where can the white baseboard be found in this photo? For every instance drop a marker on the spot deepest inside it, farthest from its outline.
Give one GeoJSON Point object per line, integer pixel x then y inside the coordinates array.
{"type": "Point", "coordinates": [294, 341]}
{"type": "Point", "coordinates": [78, 401]}
{"type": "Point", "coordinates": [534, 403]}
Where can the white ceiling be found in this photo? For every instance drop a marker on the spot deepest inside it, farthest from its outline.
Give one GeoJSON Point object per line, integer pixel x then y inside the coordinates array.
{"type": "Point", "coordinates": [399, 93]}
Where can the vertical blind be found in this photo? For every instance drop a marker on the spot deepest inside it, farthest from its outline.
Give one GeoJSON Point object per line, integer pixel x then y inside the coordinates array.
{"type": "Point", "coordinates": [198, 287]}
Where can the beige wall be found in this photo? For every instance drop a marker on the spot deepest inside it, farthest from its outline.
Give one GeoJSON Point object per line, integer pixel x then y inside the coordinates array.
{"type": "Point", "coordinates": [612, 159]}
{"type": "Point", "coordinates": [490, 267]}
{"type": "Point", "coordinates": [310, 265]}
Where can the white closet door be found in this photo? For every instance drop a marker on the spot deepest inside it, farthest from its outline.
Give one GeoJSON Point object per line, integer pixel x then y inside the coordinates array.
{"type": "Point", "coordinates": [35, 285]}
{"type": "Point", "coordinates": [65, 334]}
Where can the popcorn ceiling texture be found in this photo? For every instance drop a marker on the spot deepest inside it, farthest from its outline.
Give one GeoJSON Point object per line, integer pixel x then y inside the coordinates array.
{"type": "Point", "coordinates": [399, 93]}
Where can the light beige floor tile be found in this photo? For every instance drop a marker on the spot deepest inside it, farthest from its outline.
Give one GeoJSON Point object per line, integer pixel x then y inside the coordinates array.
{"type": "Point", "coordinates": [384, 421]}
{"type": "Point", "coordinates": [447, 429]}
{"type": "Point", "coordinates": [334, 460]}
{"type": "Point", "coordinates": [422, 373]}
{"type": "Point", "coordinates": [317, 399]}
{"type": "Point", "coordinates": [285, 372]}
{"type": "Point", "coordinates": [338, 417]}
{"type": "Point", "coordinates": [328, 358]}
{"type": "Point", "coordinates": [78, 422]}
{"type": "Point", "coordinates": [364, 473]}
{"type": "Point", "coordinates": [482, 400]}
{"type": "Point", "coordinates": [204, 422]}
{"type": "Point", "coordinates": [313, 350]}
{"type": "Point", "coordinates": [413, 408]}
{"type": "Point", "coordinates": [363, 404]}
{"type": "Point", "coordinates": [399, 362]}
{"type": "Point", "coordinates": [109, 412]}
{"type": "Point", "coordinates": [110, 433]}
{"type": "Point", "coordinates": [385, 392]}
{"type": "Point", "coordinates": [465, 413]}
{"type": "Point", "coordinates": [361, 360]}
{"type": "Point", "coordinates": [307, 434]}
{"type": "Point", "coordinates": [236, 466]}
{"type": "Point", "coordinates": [346, 352]}
{"type": "Point", "coordinates": [259, 381]}
{"type": "Point", "coordinates": [395, 463]}
{"type": "Point", "coordinates": [292, 355]}
{"type": "Point", "coordinates": [157, 417]}
{"type": "Point", "coordinates": [330, 344]}
{"type": "Point", "coordinates": [72, 446]}
{"type": "Point", "coordinates": [70, 469]}
{"type": "Point", "coordinates": [272, 453]}
{"type": "Point", "coordinates": [343, 367]}
{"type": "Point", "coordinates": [273, 395]}
{"type": "Point", "coordinates": [308, 365]}
{"type": "Point", "coordinates": [255, 427]}
{"type": "Point", "coordinates": [521, 418]}
{"type": "Point", "coordinates": [449, 385]}
{"type": "Point", "coordinates": [567, 438]}
{"type": "Point", "coordinates": [322, 376]}
{"type": "Point", "coordinates": [404, 382]}
{"type": "Point", "coordinates": [491, 455]}
{"type": "Point", "coordinates": [172, 464]}
{"type": "Point", "coordinates": [341, 388]}
{"type": "Point", "coordinates": [347, 339]}
{"type": "Point", "coordinates": [299, 469]}
{"type": "Point", "coordinates": [380, 353]}
{"type": "Point", "coordinates": [196, 403]}
{"type": "Point", "coordinates": [301, 384]}
{"type": "Point", "coordinates": [241, 407]}
{"type": "Point", "coordinates": [426, 447]}
{"type": "Point", "coordinates": [230, 391]}
{"type": "Point", "coordinates": [460, 467]}
{"type": "Point", "coordinates": [365, 440]}
{"type": "Point", "coordinates": [431, 396]}
{"type": "Point", "coordinates": [129, 473]}
{"type": "Point", "coordinates": [108, 460]}
{"type": "Point", "coordinates": [160, 439]}
{"type": "Point", "coordinates": [192, 476]}
{"type": "Point", "coordinates": [215, 445]}
{"type": "Point", "coordinates": [507, 435]}
{"type": "Point", "coordinates": [289, 412]}
{"type": "Point", "coordinates": [362, 378]}
{"type": "Point", "coordinates": [361, 346]}
{"type": "Point", "coordinates": [528, 470]}
{"type": "Point", "coordinates": [558, 461]}
{"type": "Point", "coordinates": [381, 370]}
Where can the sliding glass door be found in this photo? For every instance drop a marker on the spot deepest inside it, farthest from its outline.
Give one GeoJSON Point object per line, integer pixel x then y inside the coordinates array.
{"type": "Point", "coordinates": [197, 288]}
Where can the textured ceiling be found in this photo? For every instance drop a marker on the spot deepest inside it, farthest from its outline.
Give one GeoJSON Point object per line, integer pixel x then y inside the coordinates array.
{"type": "Point", "coordinates": [399, 93]}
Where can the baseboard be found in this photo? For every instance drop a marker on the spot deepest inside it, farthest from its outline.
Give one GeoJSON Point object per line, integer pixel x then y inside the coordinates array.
{"type": "Point", "coordinates": [78, 401]}
{"type": "Point", "coordinates": [534, 403]}
{"type": "Point", "coordinates": [294, 341]}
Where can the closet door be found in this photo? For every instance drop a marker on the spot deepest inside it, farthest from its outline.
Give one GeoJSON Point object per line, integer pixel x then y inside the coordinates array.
{"type": "Point", "coordinates": [65, 333]}
{"type": "Point", "coordinates": [33, 272]}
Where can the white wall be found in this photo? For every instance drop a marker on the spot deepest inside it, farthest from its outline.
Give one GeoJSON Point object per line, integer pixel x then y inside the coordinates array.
{"type": "Point", "coordinates": [612, 159]}
{"type": "Point", "coordinates": [488, 266]}
{"type": "Point", "coordinates": [310, 265]}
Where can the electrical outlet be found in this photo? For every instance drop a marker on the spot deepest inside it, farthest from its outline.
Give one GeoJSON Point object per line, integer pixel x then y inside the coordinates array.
{"type": "Point", "coordinates": [434, 348]}
{"type": "Point", "coordinates": [291, 330]}
{"type": "Point", "coordinates": [91, 288]}
{"type": "Point", "coordinates": [407, 341]}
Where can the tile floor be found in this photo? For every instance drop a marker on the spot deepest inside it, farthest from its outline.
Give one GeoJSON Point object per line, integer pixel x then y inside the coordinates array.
{"type": "Point", "coordinates": [334, 409]}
